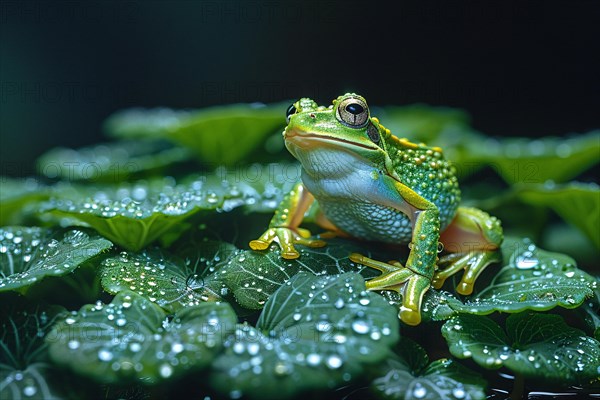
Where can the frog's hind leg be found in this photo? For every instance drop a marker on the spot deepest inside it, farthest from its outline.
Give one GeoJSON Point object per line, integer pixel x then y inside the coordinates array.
{"type": "Point", "coordinates": [472, 240]}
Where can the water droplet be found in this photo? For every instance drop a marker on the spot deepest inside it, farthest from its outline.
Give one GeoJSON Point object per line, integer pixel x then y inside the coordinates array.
{"type": "Point", "coordinates": [239, 348]}
{"type": "Point", "coordinates": [73, 344]}
{"type": "Point", "coordinates": [105, 355]}
{"type": "Point", "coordinates": [165, 370]}
{"type": "Point", "coordinates": [364, 301]}
{"type": "Point", "coordinates": [29, 390]}
{"type": "Point", "coordinates": [282, 368]}
{"type": "Point", "coordinates": [177, 348]}
{"type": "Point", "coordinates": [360, 326]}
{"type": "Point", "coordinates": [526, 261]}
{"type": "Point", "coordinates": [323, 326]}
{"type": "Point", "coordinates": [334, 361]}
{"type": "Point", "coordinates": [253, 348]}
{"type": "Point", "coordinates": [419, 391]}
{"type": "Point", "coordinates": [297, 316]}
{"type": "Point", "coordinates": [459, 392]}
{"type": "Point", "coordinates": [313, 359]}
{"type": "Point", "coordinates": [339, 303]}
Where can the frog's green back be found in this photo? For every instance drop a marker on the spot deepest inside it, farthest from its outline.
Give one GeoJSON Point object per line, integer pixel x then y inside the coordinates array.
{"type": "Point", "coordinates": [425, 170]}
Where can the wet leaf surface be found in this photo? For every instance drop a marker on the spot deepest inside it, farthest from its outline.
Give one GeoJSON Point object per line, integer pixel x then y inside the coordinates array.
{"type": "Point", "coordinates": [314, 333]}
{"type": "Point", "coordinates": [539, 346]}
{"type": "Point", "coordinates": [133, 338]}
{"type": "Point", "coordinates": [28, 255]}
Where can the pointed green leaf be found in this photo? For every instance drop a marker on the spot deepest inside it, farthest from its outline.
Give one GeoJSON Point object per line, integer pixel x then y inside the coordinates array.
{"type": "Point", "coordinates": [110, 162]}
{"type": "Point", "coordinates": [523, 160]}
{"type": "Point", "coordinates": [28, 255]}
{"type": "Point", "coordinates": [540, 346]}
{"type": "Point", "coordinates": [132, 338]}
{"type": "Point", "coordinates": [576, 203]}
{"type": "Point", "coordinates": [16, 196]}
{"type": "Point", "coordinates": [220, 135]}
{"type": "Point", "coordinates": [314, 333]}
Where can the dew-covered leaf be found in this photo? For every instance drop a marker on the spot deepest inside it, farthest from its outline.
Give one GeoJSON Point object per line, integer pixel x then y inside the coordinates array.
{"type": "Point", "coordinates": [442, 379]}
{"type": "Point", "coordinates": [133, 338]}
{"type": "Point", "coordinates": [523, 160]}
{"type": "Point", "coordinates": [110, 162]}
{"type": "Point", "coordinates": [24, 367]}
{"type": "Point", "coordinates": [170, 282]}
{"type": "Point", "coordinates": [576, 203]}
{"type": "Point", "coordinates": [30, 383]}
{"type": "Point", "coordinates": [252, 276]}
{"type": "Point", "coordinates": [28, 255]}
{"type": "Point", "coordinates": [15, 197]}
{"type": "Point", "coordinates": [220, 135]}
{"type": "Point", "coordinates": [134, 215]}
{"type": "Point", "coordinates": [532, 279]}
{"type": "Point", "coordinates": [314, 333]}
{"type": "Point", "coordinates": [407, 374]}
{"type": "Point", "coordinates": [540, 346]}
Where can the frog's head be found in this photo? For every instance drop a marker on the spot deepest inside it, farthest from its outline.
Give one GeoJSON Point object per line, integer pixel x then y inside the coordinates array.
{"type": "Point", "coordinates": [329, 140]}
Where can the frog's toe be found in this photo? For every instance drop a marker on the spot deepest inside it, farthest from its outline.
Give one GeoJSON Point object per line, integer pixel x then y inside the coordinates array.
{"type": "Point", "coordinates": [412, 298]}
{"type": "Point", "coordinates": [409, 317]}
{"type": "Point", "coordinates": [378, 265]}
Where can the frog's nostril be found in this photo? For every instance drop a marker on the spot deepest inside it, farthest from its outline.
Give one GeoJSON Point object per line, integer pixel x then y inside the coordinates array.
{"type": "Point", "coordinates": [312, 115]}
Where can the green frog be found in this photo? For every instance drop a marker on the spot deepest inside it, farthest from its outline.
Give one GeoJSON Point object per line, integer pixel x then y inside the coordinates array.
{"type": "Point", "coordinates": [366, 183]}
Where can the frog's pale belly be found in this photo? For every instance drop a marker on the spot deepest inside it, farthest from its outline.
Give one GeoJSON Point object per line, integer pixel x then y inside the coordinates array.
{"type": "Point", "coordinates": [369, 221]}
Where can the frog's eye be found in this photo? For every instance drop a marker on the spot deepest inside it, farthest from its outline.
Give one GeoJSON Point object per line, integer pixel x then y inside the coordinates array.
{"type": "Point", "coordinates": [289, 112]}
{"type": "Point", "coordinates": [353, 112]}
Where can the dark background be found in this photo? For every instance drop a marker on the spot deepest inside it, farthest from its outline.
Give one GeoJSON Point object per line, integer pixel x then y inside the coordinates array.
{"type": "Point", "coordinates": [519, 68]}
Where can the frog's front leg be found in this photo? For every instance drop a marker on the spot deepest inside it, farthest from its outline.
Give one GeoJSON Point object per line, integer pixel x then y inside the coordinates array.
{"type": "Point", "coordinates": [414, 279]}
{"type": "Point", "coordinates": [284, 227]}
{"type": "Point", "coordinates": [472, 240]}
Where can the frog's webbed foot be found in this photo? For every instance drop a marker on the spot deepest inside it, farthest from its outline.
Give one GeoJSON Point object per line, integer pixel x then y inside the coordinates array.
{"type": "Point", "coordinates": [396, 277]}
{"type": "Point", "coordinates": [472, 239]}
{"type": "Point", "coordinates": [472, 262]}
{"type": "Point", "coordinates": [286, 237]}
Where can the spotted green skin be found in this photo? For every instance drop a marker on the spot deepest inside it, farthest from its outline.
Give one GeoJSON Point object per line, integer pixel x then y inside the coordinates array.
{"type": "Point", "coordinates": [371, 185]}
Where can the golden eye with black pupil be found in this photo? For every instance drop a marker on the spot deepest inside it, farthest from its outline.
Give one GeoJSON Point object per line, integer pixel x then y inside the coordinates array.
{"type": "Point", "coordinates": [289, 112]}
{"type": "Point", "coordinates": [373, 133]}
{"type": "Point", "coordinates": [353, 112]}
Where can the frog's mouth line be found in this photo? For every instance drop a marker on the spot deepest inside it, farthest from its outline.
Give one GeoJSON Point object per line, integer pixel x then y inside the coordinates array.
{"type": "Point", "coordinates": [300, 135]}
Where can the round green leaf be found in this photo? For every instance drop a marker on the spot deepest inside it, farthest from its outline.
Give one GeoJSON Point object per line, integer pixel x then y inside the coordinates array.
{"type": "Point", "coordinates": [540, 346]}
{"type": "Point", "coordinates": [133, 215]}
{"type": "Point", "coordinates": [24, 368]}
{"type": "Point", "coordinates": [252, 276]}
{"type": "Point", "coordinates": [133, 338]}
{"type": "Point", "coordinates": [314, 332]}
{"type": "Point", "coordinates": [169, 282]}
{"type": "Point", "coordinates": [533, 279]}
{"type": "Point", "coordinates": [27, 255]}
{"type": "Point", "coordinates": [29, 383]}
